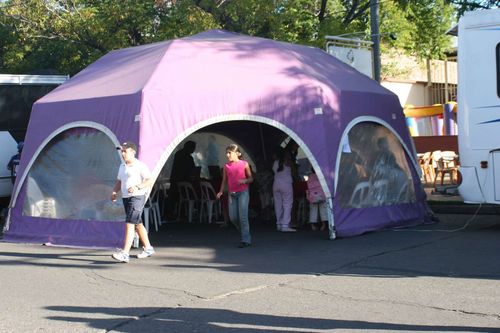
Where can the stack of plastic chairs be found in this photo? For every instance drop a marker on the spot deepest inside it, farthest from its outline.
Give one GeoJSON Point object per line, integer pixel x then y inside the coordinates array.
{"type": "Point", "coordinates": [445, 164]}
{"type": "Point", "coordinates": [44, 208]}
{"type": "Point", "coordinates": [359, 195]}
{"type": "Point", "coordinates": [188, 200]}
{"type": "Point", "coordinates": [209, 205]}
{"type": "Point", "coordinates": [152, 210]}
{"type": "Point", "coordinates": [378, 192]}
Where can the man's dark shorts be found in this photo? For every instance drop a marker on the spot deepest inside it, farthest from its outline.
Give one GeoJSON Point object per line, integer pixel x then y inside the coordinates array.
{"type": "Point", "coordinates": [133, 208]}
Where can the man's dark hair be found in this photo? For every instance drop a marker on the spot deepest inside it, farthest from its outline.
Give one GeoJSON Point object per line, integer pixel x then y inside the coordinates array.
{"type": "Point", "coordinates": [190, 146]}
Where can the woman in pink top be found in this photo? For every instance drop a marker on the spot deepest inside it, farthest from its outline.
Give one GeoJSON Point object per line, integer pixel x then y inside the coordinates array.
{"type": "Point", "coordinates": [238, 175]}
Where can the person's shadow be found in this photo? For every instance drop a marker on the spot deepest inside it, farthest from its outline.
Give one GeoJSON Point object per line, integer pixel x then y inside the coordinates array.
{"type": "Point", "coordinates": [185, 319]}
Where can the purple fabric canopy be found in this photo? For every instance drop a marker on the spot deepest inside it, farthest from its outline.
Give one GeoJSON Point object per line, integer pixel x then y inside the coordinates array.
{"type": "Point", "coordinates": [160, 93]}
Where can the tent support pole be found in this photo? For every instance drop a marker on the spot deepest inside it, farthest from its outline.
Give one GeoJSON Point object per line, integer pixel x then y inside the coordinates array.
{"type": "Point", "coordinates": [332, 233]}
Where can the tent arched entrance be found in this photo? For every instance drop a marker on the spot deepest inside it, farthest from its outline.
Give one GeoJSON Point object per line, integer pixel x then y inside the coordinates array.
{"type": "Point", "coordinates": [242, 119]}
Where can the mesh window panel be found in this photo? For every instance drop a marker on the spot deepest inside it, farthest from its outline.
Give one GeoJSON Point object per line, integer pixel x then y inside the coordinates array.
{"type": "Point", "coordinates": [73, 177]}
{"type": "Point", "coordinates": [374, 169]}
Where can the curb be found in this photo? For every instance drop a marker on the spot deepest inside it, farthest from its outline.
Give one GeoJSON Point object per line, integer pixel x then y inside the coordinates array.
{"type": "Point", "coordinates": [463, 208]}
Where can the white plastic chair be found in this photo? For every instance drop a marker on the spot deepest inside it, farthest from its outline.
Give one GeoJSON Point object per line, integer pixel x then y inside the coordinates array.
{"type": "Point", "coordinates": [188, 199]}
{"type": "Point", "coordinates": [378, 192]}
{"type": "Point", "coordinates": [302, 210]}
{"type": "Point", "coordinates": [208, 202]}
{"type": "Point", "coordinates": [152, 210]}
{"type": "Point", "coordinates": [44, 208]}
{"type": "Point", "coordinates": [404, 192]}
{"type": "Point", "coordinates": [446, 164]}
{"type": "Point", "coordinates": [163, 187]}
{"type": "Point", "coordinates": [359, 194]}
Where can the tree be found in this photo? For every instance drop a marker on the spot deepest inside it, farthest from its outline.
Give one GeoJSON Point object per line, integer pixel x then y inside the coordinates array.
{"type": "Point", "coordinates": [420, 25]}
{"type": "Point", "coordinates": [463, 6]}
{"type": "Point", "coordinates": [68, 35]}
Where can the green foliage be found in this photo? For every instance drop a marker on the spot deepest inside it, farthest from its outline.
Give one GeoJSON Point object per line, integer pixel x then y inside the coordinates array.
{"type": "Point", "coordinates": [296, 22]}
{"type": "Point", "coordinates": [251, 17]}
{"type": "Point", "coordinates": [68, 35]}
{"type": "Point", "coordinates": [65, 36]}
{"type": "Point", "coordinates": [463, 6]}
{"type": "Point", "coordinates": [420, 26]}
{"type": "Point", "coordinates": [183, 19]}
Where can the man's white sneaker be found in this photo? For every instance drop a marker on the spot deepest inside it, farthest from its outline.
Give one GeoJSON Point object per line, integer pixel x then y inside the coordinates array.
{"type": "Point", "coordinates": [146, 252]}
{"type": "Point", "coordinates": [121, 256]}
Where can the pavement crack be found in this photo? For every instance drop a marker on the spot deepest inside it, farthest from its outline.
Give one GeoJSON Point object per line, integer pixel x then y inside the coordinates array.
{"type": "Point", "coordinates": [238, 292]}
{"type": "Point", "coordinates": [383, 253]}
{"type": "Point", "coordinates": [414, 272]}
{"type": "Point", "coordinates": [143, 286]}
{"type": "Point", "coordinates": [412, 304]}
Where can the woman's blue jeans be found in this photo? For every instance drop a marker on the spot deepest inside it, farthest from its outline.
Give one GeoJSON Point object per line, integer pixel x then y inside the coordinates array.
{"type": "Point", "coordinates": [238, 213]}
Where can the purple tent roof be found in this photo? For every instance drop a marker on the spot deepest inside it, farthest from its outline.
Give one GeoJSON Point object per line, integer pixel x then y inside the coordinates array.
{"type": "Point", "coordinates": [184, 81]}
{"type": "Point", "coordinates": [206, 62]}
{"type": "Point", "coordinates": [157, 94]}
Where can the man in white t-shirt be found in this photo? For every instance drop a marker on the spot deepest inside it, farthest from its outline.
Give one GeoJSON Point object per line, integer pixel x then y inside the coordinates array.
{"type": "Point", "coordinates": [134, 178]}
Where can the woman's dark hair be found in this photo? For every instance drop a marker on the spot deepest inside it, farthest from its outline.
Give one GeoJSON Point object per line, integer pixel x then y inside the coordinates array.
{"type": "Point", "coordinates": [190, 146]}
{"type": "Point", "coordinates": [293, 148]}
{"type": "Point", "coordinates": [280, 156]}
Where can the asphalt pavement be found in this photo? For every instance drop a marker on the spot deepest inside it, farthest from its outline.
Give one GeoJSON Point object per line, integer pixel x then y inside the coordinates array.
{"type": "Point", "coordinates": [443, 277]}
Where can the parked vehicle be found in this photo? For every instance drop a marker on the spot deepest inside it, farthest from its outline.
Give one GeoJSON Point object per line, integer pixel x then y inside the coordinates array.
{"type": "Point", "coordinates": [479, 106]}
{"type": "Point", "coordinates": [17, 95]}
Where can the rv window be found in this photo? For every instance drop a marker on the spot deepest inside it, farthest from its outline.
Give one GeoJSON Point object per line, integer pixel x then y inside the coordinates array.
{"type": "Point", "coordinates": [498, 69]}
{"type": "Point", "coordinates": [15, 106]}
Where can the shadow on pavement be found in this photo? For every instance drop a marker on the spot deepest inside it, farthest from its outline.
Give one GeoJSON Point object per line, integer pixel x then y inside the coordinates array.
{"type": "Point", "coordinates": [61, 260]}
{"type": "Point", "coordinates": [419, 251]}
{"type": "Point", "coordinates": [146, 319]}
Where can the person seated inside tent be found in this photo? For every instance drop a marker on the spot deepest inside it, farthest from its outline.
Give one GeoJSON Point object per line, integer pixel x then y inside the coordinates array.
{"type": "Point", "coordinates": [264, 181]}
{"type": "Point", "coordinates": [386, 168]}
{"type": "Point", "coordinates": [352, 171]}
{"type": "Point", "coordinates": [183, 169]}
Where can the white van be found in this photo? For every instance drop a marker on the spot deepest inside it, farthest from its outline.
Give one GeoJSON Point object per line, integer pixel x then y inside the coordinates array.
{"type": "Point", "coordinates": [479, 106]}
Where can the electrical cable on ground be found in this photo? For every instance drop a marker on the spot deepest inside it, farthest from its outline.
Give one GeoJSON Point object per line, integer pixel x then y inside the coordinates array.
{"type": "Point", "coordinates": [446, 230]}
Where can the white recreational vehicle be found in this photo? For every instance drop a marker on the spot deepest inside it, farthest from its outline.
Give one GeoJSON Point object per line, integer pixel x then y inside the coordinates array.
{"type": "Point", "coordinates": [17, 95]}
{"type": "Point", "coordinates": [479, 106]}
